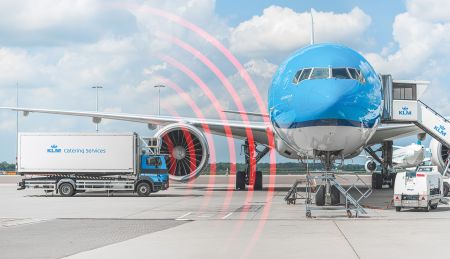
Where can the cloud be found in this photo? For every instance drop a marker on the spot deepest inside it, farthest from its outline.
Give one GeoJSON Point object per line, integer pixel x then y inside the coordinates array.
{"type": "Point", "coordinates": [62, 22]}
{"type": "Point", "coordinates": [419, 50]}
{"type": "Point", "coordinates": [431, 10]}
{"type": "Point", "coordinates": [281, 29]}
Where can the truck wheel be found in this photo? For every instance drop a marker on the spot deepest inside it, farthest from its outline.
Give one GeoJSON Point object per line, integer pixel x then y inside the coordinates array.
{"type": "Point", "coordinates": [143, 189]}
{"type": "Point", "coordinates": [434, 206]}
{"type": "Point", "coordinates": [335, 195]}
{"type": "Point", "coordinates": [446, 188]}
{"type": "Point", "coordinates": [398, 209]}
{"type": "Point", "coordinates": [66, 190]}
{"type": "Point", "coordinates": [258, 181]}
{"type": "Point", "coordinates": [240, 181]}
{"type": "Point", "coordinates": [320, 196]}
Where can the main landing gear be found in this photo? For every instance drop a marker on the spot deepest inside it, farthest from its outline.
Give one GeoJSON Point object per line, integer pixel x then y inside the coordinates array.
{"type": "Point", "coordinates": [248, 177]}
{"type": "Point", "coordinates": [387, 174]}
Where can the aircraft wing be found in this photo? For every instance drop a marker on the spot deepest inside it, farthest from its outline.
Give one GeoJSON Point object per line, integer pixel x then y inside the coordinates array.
{"type": "Point", "coordinates": [217, 127]}
{"type": "Point", "coordinates": [393, 132]}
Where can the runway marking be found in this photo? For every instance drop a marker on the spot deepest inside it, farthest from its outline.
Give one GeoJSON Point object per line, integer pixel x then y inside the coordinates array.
{"type": "Point", "coordinates": [346, 239]}
{"type": "Point", "coordinates": [12, 222]}
{"type": "Point", "coordinates": [226, 216]}
{"type": "Point", "coordinates": [185, 215]}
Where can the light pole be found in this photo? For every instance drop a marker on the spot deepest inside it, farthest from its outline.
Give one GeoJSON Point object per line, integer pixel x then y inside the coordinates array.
{"type": "Point", "coordinates": [17, 126]}
{"type": "Point", "coordinates": [97, 87]}
{"type": "Point", "coordinates": [159, 97]}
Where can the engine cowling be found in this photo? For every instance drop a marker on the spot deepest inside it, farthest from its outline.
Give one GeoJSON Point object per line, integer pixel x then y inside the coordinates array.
{"type": "Point", "coordinates": [370, 166]}
{"type": "Point", "coordinates": [187, 148]}
{"type": "Point", "coordinates": [439, 154]}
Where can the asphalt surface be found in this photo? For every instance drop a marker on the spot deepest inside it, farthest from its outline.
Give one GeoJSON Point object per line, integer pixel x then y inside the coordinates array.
{"type": "Point", "coordinates": [206, 220]}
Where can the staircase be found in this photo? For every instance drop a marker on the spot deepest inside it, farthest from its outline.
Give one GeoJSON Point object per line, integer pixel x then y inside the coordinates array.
{"type": "Point", "coordinates": [433, 123]}
{"type": "Point", "coordinates": [422, 115]}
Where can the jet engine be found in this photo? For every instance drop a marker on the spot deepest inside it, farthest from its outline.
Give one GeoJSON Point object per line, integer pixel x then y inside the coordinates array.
{"type": "Point", "coordinates": [439, 154]}
{"type": "Point", "coordinates": [370, 166]}
{"type": "Point", "coordinates": [187, 149]}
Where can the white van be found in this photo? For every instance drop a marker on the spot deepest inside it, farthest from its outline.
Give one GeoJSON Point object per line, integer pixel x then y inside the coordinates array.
{"type": "Point", "coordinates": [422, 188]}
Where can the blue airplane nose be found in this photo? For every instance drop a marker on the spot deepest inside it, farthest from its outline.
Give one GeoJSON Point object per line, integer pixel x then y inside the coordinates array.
{"type": "Point", "coordinates": [327, 99]}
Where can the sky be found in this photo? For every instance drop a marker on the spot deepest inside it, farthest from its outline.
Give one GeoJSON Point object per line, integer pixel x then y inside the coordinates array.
{"type": "Point", "coordinates": [55, 51]}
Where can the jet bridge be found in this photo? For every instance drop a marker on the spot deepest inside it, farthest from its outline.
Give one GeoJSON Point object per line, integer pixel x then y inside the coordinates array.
{"type": "Point", "coordinates": [403, 105]}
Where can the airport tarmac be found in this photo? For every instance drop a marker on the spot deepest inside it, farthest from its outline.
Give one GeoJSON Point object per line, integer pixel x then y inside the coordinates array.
{"type": "Point", "coordinates": [203, 220]}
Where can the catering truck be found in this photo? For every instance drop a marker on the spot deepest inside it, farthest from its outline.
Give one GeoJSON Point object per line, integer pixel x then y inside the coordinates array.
{"type": "Point", "coordinates": [70, 163]}
{"type": "Point", "coordinates": [422, 188]}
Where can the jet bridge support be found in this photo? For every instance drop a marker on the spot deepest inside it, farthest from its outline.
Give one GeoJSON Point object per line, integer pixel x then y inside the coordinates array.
{"type": "Point", "coordinates": [403, 106]}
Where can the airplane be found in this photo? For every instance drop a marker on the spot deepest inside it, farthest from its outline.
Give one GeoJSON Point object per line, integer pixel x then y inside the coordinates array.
{"type": "Point", "coordinates": [402, 158]}
{"type": "Point", "coordinates": [325, 102]}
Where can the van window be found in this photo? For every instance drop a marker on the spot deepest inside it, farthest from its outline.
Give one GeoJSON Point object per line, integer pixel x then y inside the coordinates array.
{"type": "Point", "coordinates": [410, 174]}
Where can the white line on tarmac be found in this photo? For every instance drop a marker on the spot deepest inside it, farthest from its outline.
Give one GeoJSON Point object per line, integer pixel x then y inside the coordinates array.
{"type": "Point", "coordinates": [185, 215]}
{"type": "Point", "coordinates": [226, 216]}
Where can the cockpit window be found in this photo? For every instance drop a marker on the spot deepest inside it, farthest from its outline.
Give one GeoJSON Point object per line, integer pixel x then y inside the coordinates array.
{"type": "Point", "coordinates": [323, 73]}
{"type": "Point", "coordinates": [297, 77]}
{"type": "Point", "coordinates": [305, 74]}
{"type": "Point", "coordinates": [353, 73]}
{"type": "Point", "coordinates": [320, 73]}
{"type": "Point", "coordinates": [340, 73]}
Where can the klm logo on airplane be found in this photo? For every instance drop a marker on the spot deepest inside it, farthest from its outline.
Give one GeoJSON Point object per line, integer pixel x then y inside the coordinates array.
{"type": "Point", "coordinates": [53, 149]}
{"type": "Point", "coordinates": [441, 130]}
{"type": "Point", "coordinates": [405, 111]}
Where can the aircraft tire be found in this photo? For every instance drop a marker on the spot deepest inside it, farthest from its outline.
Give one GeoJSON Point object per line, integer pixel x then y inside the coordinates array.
{"type": "Point", "coordinates": [377, 181]}
{"type": "Point", "coordinates": [258, 181]}
{"type": "Point", "coordinates": [320, 196]}
{"type": "Point", "coordinates": [240, 181]}
{"type": "Point", "coordinates": [335, 195]}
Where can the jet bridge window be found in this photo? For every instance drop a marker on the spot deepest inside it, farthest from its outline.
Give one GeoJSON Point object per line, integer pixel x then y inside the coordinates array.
{"type": "Point", "coordinates": [404, 91]}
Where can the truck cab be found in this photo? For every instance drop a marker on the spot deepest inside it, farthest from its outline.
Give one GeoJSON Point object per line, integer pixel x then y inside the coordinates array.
{"type": "Point", "coordinates": [153, 174]}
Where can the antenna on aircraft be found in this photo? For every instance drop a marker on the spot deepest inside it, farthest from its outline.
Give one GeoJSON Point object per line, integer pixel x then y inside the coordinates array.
{"type": "Point", "coordinates": [312, 27]}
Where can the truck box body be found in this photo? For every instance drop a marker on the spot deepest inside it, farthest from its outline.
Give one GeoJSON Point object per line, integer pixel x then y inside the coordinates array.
{"type": "Point", "coordinates": [77, 153]}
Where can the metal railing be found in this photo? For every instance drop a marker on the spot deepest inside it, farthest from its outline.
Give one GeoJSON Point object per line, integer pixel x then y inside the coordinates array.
{"type": "Point", "coordinates": [434, 111]}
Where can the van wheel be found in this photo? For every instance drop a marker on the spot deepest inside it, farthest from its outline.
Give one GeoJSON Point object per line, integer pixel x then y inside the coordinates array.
{"type": "Point", "coordinates": [398, 209]}
{"type": "Point", "coordinates": [66, 190]}
{"type": "Point", "coordinates": [446, 188]}
{"type": "Point", "coordinates": [143, 189]}
{"type": "Point", "coordinates": [433, 207]}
